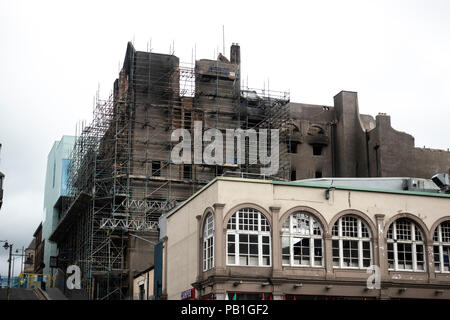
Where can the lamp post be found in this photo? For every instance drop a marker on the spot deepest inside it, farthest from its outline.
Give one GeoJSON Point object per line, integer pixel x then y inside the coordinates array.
{"type": "Point", "coordinates": [8, 246]}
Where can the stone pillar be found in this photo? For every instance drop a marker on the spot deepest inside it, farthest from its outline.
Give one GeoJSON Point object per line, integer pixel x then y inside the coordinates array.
{"type": "Point", "coordinates": [219, 237]}
{"type": "Point", "coordinates": [380, 247]}
{"type": "Point", "coordinates": [276, 239]}
{"type": "Point", "coordinates": [429, 260]}
{"type": "Point", "coordinates": [328, 257]}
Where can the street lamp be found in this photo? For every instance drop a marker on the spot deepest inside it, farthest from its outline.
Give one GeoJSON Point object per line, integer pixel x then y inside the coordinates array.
{"type": "Point", "coordinates": [8, 246]}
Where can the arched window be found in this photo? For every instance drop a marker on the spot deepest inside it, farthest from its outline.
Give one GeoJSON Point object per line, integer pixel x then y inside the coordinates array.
{"type": "Point", "coordinates": [248, 239]}
{"type": "Point", "coordinates": [441, 247]}
{"type": "Point", "coordinates": [405, 246]}
{"type": "Point", "coordinates": [301, 240]}
{"type": "Point", "coordinates": [351, 240]}
{"type": "Point", "coordinates": [208, 243]}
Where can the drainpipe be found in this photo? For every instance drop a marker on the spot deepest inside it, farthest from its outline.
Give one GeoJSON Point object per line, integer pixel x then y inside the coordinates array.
{"type": "Point", "coordinates": [367, 153]}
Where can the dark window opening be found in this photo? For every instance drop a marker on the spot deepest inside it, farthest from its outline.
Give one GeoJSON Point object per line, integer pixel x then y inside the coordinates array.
{"type": "Point", "coordinates": [219, 171]}
{"type": "Point", "coordinates": [317, 150]}
{"type": "Point", "coordinates": [187, 171]}
{"type": "Point", "coordinates": [318, 174]}
{"type": "Point", "coordinates": [141, 292]}
{"type": "Point", "coordinates": [187, 120]}
{"type": "Point", "coordinates": [292, 147]}
{"type": "Point", "coordinates": [293, 175]}
{"type": "Point", "coordinates": [156, 168]}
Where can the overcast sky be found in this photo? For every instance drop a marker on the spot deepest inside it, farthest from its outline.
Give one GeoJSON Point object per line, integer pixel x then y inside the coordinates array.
{"type": "Point", "coordinates": [54, 55]}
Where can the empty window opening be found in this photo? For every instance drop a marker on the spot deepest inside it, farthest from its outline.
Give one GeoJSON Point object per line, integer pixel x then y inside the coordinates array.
{"type": "Point", "coordinates": [292, 147]}
{"type": "Point", "coordinates": [187, 120]}
{"type": "Point", "coordinates": [187, 171]}
{"type": "Point", "coordinates": [156, 168]}
{"type": "Point", "coordinates": [317, 150]}
{"type": "Point", "coordinates": [293, 175]}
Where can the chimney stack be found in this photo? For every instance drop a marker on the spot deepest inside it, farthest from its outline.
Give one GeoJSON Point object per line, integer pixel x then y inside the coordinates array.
{"type": "Point", "coordinates": [235, 53]}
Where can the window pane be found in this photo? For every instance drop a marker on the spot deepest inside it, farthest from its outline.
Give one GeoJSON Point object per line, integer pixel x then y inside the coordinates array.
{"type": "Point", "coordinates": [285, 245]}
{"type": "Point", "coordinates": [349, 226]}
{"type": "Point", "coordinates": [300, 224]}
{"type": "Point", "coordinates": [335, 244]}
{"type": "Point", "coordinates": [403, 229]}
{"type": "Point", "coordinates": [366, 252]}
{"type": "Point", "coordinates": [366, 263]}
{"type": "Point", "coordinates": [437, 258]}
{"type": "Point", "coordinates": [390, 234]}
{"type": "Point", "coordinates": [404, 253]}
{"type": "Point", "coordinates": [243, 238]}
{"type": "Point", "coordinates": [253, 260]}
{"type": "Point", "coordinates": [445, 256]}
{"type": "Point", "coordinates": [445, 231]}
{"type": "Point", "coordinates": [364, 231]}
{"type": "Point", "coordinates": [436, 234]}
{"type": "Point", "coordinates": [318, 248]}
{"type": "Point", "coordinates": [390, 252]}
{"type": "Point", "coordinates": [336, 229]}
{"type": "Point", "coordinates": [286, 225]}
{"type": "Point", "coordinates": [318, 261]}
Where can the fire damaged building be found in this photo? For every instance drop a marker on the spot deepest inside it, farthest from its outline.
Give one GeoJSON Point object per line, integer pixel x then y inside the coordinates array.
{"type": "Point", "coordinates": [121, 178]}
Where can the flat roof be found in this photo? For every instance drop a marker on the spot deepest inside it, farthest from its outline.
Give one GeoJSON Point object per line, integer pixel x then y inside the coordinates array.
{"type": "Point", "coordinates": [310, 185]}
{"type": "Point", "coordinates": [364, 189]}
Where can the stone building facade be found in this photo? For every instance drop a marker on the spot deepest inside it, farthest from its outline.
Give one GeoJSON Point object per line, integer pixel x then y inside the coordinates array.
{"type": "Point", "coordinates": [297, 240]}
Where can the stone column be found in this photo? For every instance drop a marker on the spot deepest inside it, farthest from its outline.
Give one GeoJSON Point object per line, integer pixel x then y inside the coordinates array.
{"type": "Point", "coordinates": [276, 239]}
{"type": "Point", "coordinates": [328, 257]}
{"type": "Point", "coordinates": [380, 247]}
{"type": "Point", "coordinates": [219, 237]}
{"type": "Point", "coordinates": [429, 260]}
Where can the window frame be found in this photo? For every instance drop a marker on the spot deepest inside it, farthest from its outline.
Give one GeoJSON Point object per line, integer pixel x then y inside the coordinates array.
{"type": "Point", "coordinates": [413, 242]}
{"type": "Point", "coordinates": [440, 244]}
{"type": "Point", "coordinates": [292, 236]}
{"type": "Point", "coordinates": [360, 239]}
{"type": "Point", "coordinates": [208, 242]}
{"type": "Point", "coordinates": [235, 222]}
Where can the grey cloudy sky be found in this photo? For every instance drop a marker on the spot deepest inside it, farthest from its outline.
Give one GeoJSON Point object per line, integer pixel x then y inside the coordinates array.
{"type": "Point", "coordinates": [54, 54]}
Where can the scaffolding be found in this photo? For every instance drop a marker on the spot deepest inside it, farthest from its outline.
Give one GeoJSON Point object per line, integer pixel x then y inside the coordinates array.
{"type": "Point", "coordinates": [121, 177]}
